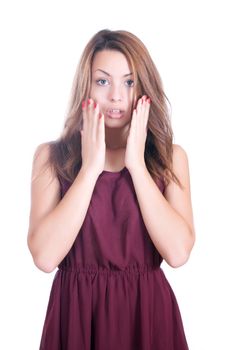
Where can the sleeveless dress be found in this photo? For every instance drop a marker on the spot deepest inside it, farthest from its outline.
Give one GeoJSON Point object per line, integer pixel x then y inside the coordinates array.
{"type": "Point", "coordinates": [109, 292]}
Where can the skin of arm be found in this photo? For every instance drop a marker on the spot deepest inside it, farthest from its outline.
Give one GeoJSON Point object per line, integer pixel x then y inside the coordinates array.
{"type": "Point", "coordinates": [55, 223]}
{"type": "Point", "coordinates": [168, 218]}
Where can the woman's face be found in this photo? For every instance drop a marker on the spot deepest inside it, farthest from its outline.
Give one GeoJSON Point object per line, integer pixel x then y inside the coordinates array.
{"type": "Point", "coordinates": [112, 87]}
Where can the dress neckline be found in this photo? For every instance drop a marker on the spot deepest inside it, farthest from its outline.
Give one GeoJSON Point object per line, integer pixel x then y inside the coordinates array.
{"type": "Point", "coordinates": [107, 172]}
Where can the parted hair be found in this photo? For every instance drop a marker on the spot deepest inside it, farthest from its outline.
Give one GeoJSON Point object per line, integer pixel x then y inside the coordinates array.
{"type": "Point", "coordinates": [65, 157]}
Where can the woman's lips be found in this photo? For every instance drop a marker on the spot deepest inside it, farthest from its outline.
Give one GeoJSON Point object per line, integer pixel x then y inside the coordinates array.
{"type": "Point", "coordinates": [115, 114]}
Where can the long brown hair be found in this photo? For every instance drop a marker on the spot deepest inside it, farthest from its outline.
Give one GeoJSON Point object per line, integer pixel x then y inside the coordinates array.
{"type": "Point", "coordinates": [65, 152]}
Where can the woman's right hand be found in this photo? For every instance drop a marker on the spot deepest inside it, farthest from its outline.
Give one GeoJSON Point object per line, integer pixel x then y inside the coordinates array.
{"type": "Point", "coordinates": [93, 147]}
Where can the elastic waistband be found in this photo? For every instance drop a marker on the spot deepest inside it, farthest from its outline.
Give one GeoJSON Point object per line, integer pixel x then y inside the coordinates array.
{"type": "Point", "coordinates": [92, 269]}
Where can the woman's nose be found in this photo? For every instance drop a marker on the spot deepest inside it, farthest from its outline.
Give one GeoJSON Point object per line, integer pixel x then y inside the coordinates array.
{"type": "Point", "coordinates": [115, 94]}
{"type": "Point", "coordinates": [115, 99]}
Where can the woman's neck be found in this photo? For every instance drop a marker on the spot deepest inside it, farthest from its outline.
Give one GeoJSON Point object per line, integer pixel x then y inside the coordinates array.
{"type": "Point", "coordinates": [116, 139]}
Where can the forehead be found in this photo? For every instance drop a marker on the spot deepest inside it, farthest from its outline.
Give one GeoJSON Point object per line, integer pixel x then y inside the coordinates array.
{"type": "Point", "coordinates": [111, 61]}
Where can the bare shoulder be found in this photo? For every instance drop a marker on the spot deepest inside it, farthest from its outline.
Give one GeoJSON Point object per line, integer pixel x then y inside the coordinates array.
{"type": "Point", "coordinates": [40, 159]}
{"type": "Point", "coordinates": [45, 186]}
{"type": "Point", "coordinates": [180, 158]}
{"type": "Point", "coordinates": [180, 165]}
{"type": "Point", "coordinates": [180, 199]}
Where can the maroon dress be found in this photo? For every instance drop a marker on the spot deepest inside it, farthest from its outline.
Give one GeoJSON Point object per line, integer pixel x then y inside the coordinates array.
{"type": "Point", "coordinates": [109, 292]}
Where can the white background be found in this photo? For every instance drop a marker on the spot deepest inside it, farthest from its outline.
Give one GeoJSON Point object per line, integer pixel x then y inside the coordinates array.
{"type": "Point", "coordinates": [41, 42]}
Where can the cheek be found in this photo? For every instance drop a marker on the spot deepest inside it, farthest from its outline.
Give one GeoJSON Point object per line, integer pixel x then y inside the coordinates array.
{"type": "Point", "coordinates": [135, 100]}
{"type": "Point", "coordinates": [132, 105]}
{"type": "Point", "coordinates": [96, 94]}
{"type": "Point", "coordinates": [94, 90]}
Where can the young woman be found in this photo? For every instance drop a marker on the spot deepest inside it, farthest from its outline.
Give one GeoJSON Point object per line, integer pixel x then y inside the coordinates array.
{"type": "Point", "coordinates": [110, 199]}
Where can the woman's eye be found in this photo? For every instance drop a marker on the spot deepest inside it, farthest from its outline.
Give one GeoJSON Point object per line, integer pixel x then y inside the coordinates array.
{"type": "Point", "coordinates": [131, 82]}
{"type": "Point", "coordinates": [101, 80]}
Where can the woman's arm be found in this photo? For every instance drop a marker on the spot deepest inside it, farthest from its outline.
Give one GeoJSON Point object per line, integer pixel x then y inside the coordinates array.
{"type": "Point", "coordinates": [168, 218]}
{"type": "Point", "coordinates": [54, 223]}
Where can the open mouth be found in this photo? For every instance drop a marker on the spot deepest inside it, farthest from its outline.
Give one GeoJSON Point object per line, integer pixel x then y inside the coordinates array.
{"type": "Point", "coordinates": [115, 113]}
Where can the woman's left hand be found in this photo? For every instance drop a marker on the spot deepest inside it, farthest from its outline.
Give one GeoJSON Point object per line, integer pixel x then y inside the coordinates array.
{"type": "Point", "coordinates": [135, 147]}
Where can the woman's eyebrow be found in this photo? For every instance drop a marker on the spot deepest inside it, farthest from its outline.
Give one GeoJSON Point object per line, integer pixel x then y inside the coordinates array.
{"type": "Point", "coordinates": [125, 75]}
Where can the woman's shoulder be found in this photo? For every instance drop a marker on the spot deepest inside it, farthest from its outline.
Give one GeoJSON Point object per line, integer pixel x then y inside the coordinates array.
{"type": "Point", "coordinates": [180, 167]}
{"type": "Point", "coordinates": [41, 155]}
{"type": "Point", "coordinates": [42, 151]}
{"type": "Point", "coordinates": [180, 160]}
{"type": "Point", "coordinates": [178, 152]}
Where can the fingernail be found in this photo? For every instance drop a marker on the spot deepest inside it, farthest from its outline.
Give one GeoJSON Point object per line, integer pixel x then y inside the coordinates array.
{"type": "Point", "coordinates": [148, 100]}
